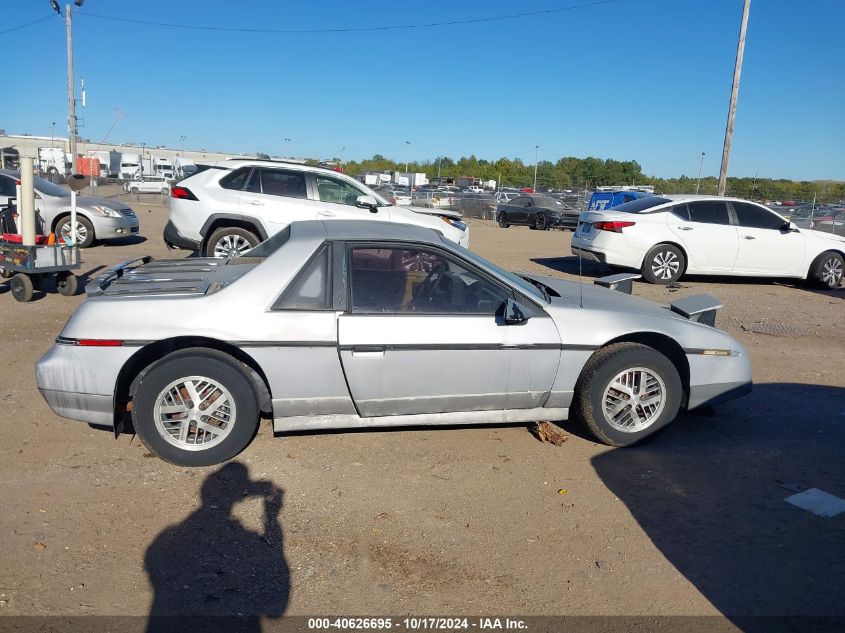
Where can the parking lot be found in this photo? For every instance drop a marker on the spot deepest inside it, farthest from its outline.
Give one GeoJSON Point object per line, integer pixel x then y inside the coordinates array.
{"type": "Point", "coordinates": [453, 520]}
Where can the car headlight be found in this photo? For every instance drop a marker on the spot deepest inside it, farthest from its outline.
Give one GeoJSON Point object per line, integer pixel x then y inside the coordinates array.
{"type": "Point", "coordinates": [105, 212]}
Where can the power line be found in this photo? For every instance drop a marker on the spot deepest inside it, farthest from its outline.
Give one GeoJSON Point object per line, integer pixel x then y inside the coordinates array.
{"type": "Point", "coordinates": [23, 26]}
{"type": "Point", "coordinates": [394, 27]}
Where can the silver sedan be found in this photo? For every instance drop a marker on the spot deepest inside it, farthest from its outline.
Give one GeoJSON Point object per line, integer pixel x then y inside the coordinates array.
{"type": "Point", "coordinates": [347, 324]}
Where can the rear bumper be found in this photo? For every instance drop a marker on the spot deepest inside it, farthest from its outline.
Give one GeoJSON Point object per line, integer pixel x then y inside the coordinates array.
{"type": "Point", "coordinates": [593, 256]}
{"type": "Point", "coordinates": [174, 239]}
{"type": "Point", "coordinates": [86, 407]}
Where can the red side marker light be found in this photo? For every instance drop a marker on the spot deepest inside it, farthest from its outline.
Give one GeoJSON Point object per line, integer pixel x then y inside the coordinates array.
{"type": "Point", "coordinates": [99, 342]}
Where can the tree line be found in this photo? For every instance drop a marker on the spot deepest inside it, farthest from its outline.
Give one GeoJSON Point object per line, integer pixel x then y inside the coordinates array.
{"type": "Point", "coordinates": [586, 173]}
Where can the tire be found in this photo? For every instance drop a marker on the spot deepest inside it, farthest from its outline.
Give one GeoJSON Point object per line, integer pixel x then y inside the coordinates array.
{"type": "Point", "coordinates": [166, 382]}
{"type": "Point", "coordinates": [66, 283]}
{"type": "Point", "coordinates": [826, 270]}
{"type": "Point", "coordinates": [594, 391]}
{"type": "Point", "coordinates": [5, 273]}
{"type": "Point", "coordinates": [230, 241]}
{"type": "Point", "coordinates": [134, 190]}
{"type": "Point", "coordinates": [21, 288]}
{"type": "Point", "coordinates": [83, 225]}
{"type": "Point", "coordinates": [52, 171]}
{"type": "Point", "coordinates": [663, 264]}
{"type": "Point", "coordinates": [540, 222]}
{"type": "Point", "coordinates": [503, 220]}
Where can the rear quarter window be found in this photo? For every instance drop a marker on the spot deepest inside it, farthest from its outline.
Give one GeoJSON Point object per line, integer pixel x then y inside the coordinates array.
{"type": "Point", "coordinates": [236, 179]}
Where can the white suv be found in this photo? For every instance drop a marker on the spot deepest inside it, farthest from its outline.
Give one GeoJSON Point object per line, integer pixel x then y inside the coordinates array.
{"type": "Point", "coordinates": [667, 236]}
{"type": "Point", "coordinates": [228, 208]}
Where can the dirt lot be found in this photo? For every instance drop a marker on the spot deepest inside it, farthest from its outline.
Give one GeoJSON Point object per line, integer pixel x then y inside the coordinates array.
{"type": "Point", "coordinates": [445, 521]}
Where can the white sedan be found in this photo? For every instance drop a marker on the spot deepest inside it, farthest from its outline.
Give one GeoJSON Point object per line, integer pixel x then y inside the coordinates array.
{"type": "Point", "coordinates": [668, 236]}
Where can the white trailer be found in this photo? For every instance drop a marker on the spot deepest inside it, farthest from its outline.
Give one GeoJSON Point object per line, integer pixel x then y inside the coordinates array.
{"type": "Point", "coordinates": [130, 166]}
{"type": "Point", "coordinates": [109, 162]}
{"type": "Point", "coordinates": [53, 161]}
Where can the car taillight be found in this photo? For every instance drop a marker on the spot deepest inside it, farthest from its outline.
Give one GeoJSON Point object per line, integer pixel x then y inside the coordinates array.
{"type": "Point", "coordinates": [182, 193]}
{"type": "Point", "coordinates": [614, 227]}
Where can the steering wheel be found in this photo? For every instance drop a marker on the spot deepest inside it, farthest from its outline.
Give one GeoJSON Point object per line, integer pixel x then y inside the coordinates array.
{"type": "Point", "coordinates": [426, 291]}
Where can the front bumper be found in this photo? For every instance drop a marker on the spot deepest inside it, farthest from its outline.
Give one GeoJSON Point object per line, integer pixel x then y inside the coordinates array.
{"type": "Point", "coordinates": [715, 379]}
{"type": "Point", "coordinates": [174, 239]}
{"type": "Point", "coordinates": [106, 228]}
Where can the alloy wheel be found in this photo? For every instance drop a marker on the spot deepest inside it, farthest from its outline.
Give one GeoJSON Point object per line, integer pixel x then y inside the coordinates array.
{"type": "Point", "coordinates": [634, 399]}
{"type": "Point", "coordinates": [194, 413]}
{"type": "Point", "coordinates": [832, 272]}
{"type": "Point", "coordinates": [230, 246]}
{"type": "Point", "coordinates": [665, 265]}
{"type": "Point", "coordinates": [81, 232]}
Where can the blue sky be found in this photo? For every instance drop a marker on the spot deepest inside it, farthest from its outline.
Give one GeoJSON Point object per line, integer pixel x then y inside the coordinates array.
{"type": "Point", "coordinates": [633, 79]}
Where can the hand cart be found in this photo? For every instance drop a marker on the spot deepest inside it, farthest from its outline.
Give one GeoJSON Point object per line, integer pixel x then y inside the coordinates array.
{"type": "Point", "coordinates": [27, 267]}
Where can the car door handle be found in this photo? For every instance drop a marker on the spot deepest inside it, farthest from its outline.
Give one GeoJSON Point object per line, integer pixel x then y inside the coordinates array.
{"type": "Point", "coordinates": [257, 203]}
{"type": "Point", "coordinates": [685, 228]}
{"type": "Point", "coordinates": [367, 351]}
{"type": "Point", "coordinates": [749, 237]}
{"type": "Point", "coordinates": [327, 214]}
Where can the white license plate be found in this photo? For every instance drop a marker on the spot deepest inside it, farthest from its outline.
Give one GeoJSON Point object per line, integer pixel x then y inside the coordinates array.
{"type": "Point", "coordinates": [584, 228]}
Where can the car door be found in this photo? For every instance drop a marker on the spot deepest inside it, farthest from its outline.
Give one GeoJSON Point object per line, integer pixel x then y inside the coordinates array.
{"type": "Point", "coordinates": [704, 229]}
{"type": "Point", "coordinates": [336, 200]}
{"type": "Point", "coordinates": [423, 333]}
{"type": "Point", "coordinates": [765, 246]}
{"type": "Point", "coordinates": [516, 210]}
{"type": "Point", "coordinates": [277, 197]}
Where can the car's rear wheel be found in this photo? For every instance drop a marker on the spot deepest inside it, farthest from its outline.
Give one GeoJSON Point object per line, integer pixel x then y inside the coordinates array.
{"type": "Point", "coordinates": [84, 235]}
{"type": "Point", "coordinates": [503, 220]}
{"type": "Point", "coordinates": [663, 264]}
{"type": "Point", "coordinates": [540, 222]}
{"type": "Point", "coordinates": [827, 270]}
{"type": "Point", "coordinates": [196, 408]}
{"type": "Point", "coordinates": [230, 241]}
{"type": "Point", "coordinates": [626, 392]}
{"type": "Point", "coordinates": [134, 190]}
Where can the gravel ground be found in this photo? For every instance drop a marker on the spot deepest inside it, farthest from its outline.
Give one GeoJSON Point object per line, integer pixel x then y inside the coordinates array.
{"type": "Point", "coordinates": [444, 521]}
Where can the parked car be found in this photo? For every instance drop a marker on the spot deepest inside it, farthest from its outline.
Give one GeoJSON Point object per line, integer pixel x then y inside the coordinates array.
{"type": "Point", "coordinates": [228, 209]}
{"type": "Point", "coordinates": [609, 199]}
{"type": "Point", "coordinates": [537, 212]}
{"type": "Point", "coordinates": [97, 218]}
{"type": "Point", "coordinates": [397, 196]}
{"type": "Point", "coordinates": [668, 236]}
{"type": "Point", "coordinates": [506, 196]}
{"type": "Point", "coordinates": [479, 205]}
{"type": "Point", "coordinates": [373, 324]}
{"type": "Point", "coordinates": [150, 184]}
{"type": "Point", "coordinates": [431, 199]}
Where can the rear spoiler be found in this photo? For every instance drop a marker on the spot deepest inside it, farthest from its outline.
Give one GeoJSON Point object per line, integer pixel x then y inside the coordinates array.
{"type": "Point", "coordinates": [698, 308]}
{"type": "Point", "coordinates": [96, 286]}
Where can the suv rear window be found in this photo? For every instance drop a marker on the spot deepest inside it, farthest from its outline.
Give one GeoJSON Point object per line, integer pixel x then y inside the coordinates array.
{"type": "Point", "coordinates": [236, 179]}
{"type": "Point", "coordinates": [641, 204]}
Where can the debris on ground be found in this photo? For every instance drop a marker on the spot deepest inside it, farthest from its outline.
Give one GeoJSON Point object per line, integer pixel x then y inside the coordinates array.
{"type": "Point", "coordinates": [562, 491]}
{"type": "Point", "coordinates": [548, 433]}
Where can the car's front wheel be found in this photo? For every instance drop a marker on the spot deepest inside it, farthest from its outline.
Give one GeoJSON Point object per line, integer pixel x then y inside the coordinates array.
{"type": "Point", "coordinates": [827, 270]}
{"type": "Point", "coordinates": [540, 222]}
{"type": "Point", "coordinates": [503, 220]}
{"type": "Point", "coordinates": [84, 235]}
{"type": "Point", "coordinates": [230, 241]}
{"type": "Point", "coordinates": [626, 392]}
{"type": "Point", "coordinates": [663, 264]}
{"type": "Point", "coordinates": [197, 407]}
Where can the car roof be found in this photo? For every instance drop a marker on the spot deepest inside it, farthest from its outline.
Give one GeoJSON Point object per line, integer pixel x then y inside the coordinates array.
{"type": "Point", "coordinates": [365, 230]}
{"type": "Point", "coordinates": [684, 197]}
{"type": "Point", "coordinates": [234, 163]}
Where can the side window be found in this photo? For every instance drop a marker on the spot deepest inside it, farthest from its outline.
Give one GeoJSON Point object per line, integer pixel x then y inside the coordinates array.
{"type": "Point", "coordinates": [627, 198]}
{"type": "Point", "coordinates": [279, 182]}
{"type": "Point", "coordinates": [253, 185]}
{"type": "Point", "coordinates": [418, 281]}
{"type": "Point", "coordinates": [7, 187]}
{"type": "Point", "coordinates": [337, 191]}
{"type": "Point", "coordinates": [682, 211]}
{"type": "Point", "coordinates": [709, 212]}
{"type": "Point", "coordinates": [310, 288]}
{"type": "Point", "coordinates": [754, 217]}
{"type": "Point", "coordinates": [236, 179]}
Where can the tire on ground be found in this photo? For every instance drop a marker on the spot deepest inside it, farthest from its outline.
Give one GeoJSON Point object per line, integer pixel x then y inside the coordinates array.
{"type": "Point", "coordinates": [503, 220]}
{"type": "Point", "coordinates": [229, 231]}
{"type": "Point", "coordinates": [540, 222]}
{"type": "Point", "coordinates": [597, 375]}
{"type": "Point", "coordinates": [826, 270]}
{"type": "Point", "coordinates": [663, 264]}
{"type": "Point", "coordinates": [207, 363]}
{"type": "Point", "coordinates": [85, 222]}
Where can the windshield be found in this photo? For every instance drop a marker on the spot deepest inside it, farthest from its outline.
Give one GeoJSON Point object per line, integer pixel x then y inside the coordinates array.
{"type": "Point", "coordinates": [51, 189]}
{"type": "Point", "coordinates": [641, 204]}
{"type": "Point", "coordinates": [515, 280]}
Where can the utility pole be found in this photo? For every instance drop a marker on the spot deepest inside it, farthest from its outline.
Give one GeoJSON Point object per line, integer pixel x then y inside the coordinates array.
{"type": "Point", "coordinates": [729, 129]}
{"type": "Point", "coordinates": [700, 165]}
{"type": "Point", "coordinates": [71, 102]}
{"type": "Point", "coordinates": [536, 153]}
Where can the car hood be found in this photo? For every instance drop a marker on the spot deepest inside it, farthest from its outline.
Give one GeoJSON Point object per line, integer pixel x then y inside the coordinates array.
{"type": "Point", "coordinates": [598, 298]}
{"type": "Point", "coordinates": [86, 202]}
{"type": "Point", "coordinates": [432, 211]}
{"type": "Point", "coordinates": [824, 235]}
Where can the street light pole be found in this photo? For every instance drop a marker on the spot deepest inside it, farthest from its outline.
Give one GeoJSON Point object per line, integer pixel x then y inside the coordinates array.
{"type": "Point", "coordinates": [408, 143]}
{"type": "Point", "coordinates": [341, 156]}
{"type": "Point", "coordinates": [52, 132]}
{"type": "Point", "coordinates": [182, 138]}
{"type": "Point", "coordinates": [536, 152]}
{"type": "Point", "coordinates": [729, 129]}
{"type": "Point", "coordinates": [700, 165]}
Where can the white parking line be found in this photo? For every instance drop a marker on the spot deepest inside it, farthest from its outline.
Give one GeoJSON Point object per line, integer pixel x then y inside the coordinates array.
{"type": "Point", "coordinates": [818, 502]}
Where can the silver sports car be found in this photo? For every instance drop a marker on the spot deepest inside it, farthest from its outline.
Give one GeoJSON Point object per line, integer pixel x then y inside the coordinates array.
{"type": "Point", "coordinates": [367, 324]}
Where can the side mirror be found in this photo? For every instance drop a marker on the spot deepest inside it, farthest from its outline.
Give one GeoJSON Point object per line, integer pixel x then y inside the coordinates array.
{"type": "Point", "coordinates": [367, 202]}
{"type": "Point", "coordinates": [789, 227]}
{"type": "Point", "coordinates": [513, 313]}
